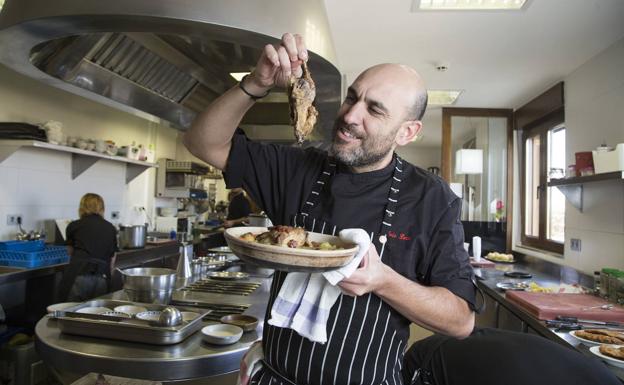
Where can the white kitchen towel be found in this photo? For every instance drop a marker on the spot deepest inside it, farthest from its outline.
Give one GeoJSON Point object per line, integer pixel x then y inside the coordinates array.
{"type": "Point", "coordinates": [304, 301]}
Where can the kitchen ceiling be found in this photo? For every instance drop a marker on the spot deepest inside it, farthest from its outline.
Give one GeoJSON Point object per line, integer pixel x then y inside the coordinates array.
{"type": "Point", "coordinates": [499, 59]}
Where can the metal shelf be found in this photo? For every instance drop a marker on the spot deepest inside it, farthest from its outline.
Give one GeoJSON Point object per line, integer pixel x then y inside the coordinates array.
{"type": "Point", "coordinates": [572, 188]}
{"type": "Point", "coordinates": [82, 160]}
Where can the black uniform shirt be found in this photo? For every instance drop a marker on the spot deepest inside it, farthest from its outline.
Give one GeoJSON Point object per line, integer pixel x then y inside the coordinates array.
{"type": "Point", "coordinates": [425, 244]}
{"type": "Point", "coordinates": [239, 207]}
{"type": "Point", "coordinates": [93, 238]}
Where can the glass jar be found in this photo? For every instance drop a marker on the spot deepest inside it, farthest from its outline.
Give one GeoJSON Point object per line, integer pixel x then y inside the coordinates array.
{"type": "Point", "coordinates": [614, 284]}
{"type": "Point", "coordinates": [619, 291]}
{"type": "Point", "coordinates": [604, 282]}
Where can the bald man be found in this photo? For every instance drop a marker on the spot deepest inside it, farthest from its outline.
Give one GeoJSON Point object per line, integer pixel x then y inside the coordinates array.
{"type": "Point", "coordinates": [417, 270]}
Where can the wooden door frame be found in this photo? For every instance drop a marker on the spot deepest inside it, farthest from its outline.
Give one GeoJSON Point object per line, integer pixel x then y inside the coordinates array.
{"type": "Point", "coordinates": [447, 114]}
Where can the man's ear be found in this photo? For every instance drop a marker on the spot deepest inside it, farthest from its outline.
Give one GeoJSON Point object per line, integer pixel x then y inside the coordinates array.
{"type": "Point", "coordinates": [408, 132]}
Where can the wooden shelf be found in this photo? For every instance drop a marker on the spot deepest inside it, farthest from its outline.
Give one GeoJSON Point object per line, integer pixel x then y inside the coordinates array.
{"type": "Point", "coordinates": [82, 160]}
{"type": "Point", "coordinates": [572, 188]}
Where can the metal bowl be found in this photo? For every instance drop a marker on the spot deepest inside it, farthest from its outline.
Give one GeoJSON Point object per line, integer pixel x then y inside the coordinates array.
{"type": "Point", "coordinates": [148, 284]}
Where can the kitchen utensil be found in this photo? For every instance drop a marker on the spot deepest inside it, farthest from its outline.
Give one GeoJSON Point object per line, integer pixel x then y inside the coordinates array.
{"type": "Point", "coordinates": [561, 325]}
{"type": "Point", "coordinates": [245, 322]}
{"type": "Point", "coordinates": [132, 237]}
{"type": "Point", "coordinates": [149, 284]}
{"type": "Point", "coordinates": [589, 321]}
{"type": "Point", "coordinates": [170, 316]}
{"type": "Point", "coordinates": [150, 315]}
{"type": "Point", "coordinates": [227, 275]}
{"type": "Point", "coordinates": [221, 334]}
{"type": "Point", "coordinates": [610, 360]}
{"type": "Point", "coordinates": [116, 314]}
{"type": "Point", "coordinates": [507, 285]}
{"type": "Point", "coordinates": [184, 260]}
{"type": "Point", "coordinates": [602, 307]}
{"type": "Point", "coordinates": [259, 220]}
{"type": "Point", "coordinates": [518, 274]}
{"type": "Point", "coordinates": [290, 259]}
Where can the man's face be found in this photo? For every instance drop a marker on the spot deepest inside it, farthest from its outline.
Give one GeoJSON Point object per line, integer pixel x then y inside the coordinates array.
{"type": "Point", "coordinates": [368, 120]}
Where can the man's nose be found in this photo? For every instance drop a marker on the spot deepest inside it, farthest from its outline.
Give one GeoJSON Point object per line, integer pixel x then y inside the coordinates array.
{"type": "Point", "coordinates": [354, 113]}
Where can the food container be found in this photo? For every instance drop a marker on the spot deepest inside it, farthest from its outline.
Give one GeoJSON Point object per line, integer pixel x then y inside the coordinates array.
{"type": "Point", "coordinates": [609, 161]}
{"type": "Point", "coordinates": [583, 160]}
{"type": "Point", "coordinates": [259, 220]}
{"type": "Point", "coordinates": [148, 284]}
{"type": "Point", "coordinates": [132, 237]}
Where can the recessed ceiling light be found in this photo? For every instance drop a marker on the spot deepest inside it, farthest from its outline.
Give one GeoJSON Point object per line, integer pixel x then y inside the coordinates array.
{"type": "Point", "coordinates": [236, 75]}
{"type": "Point", "coordinates": [442, 97]}
{"type": "Point", "coordinates": [1, 4]}
{"type": "Point", "coordinates": [467, 5]}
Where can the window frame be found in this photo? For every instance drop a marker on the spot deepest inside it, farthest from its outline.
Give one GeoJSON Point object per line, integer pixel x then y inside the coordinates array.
{"type": "Point", "coordinates": [553, 121]}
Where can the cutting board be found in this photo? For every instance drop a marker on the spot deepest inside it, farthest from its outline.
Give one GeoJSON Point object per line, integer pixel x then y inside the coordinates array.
{"type": "Point", "coordinates": [546, 306]}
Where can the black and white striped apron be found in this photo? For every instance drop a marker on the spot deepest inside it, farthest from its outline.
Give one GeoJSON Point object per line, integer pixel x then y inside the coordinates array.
{"type": "Point", "coordinates": [362, 346]}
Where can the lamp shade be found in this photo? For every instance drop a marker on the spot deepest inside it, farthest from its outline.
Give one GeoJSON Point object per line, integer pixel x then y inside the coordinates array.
{"type": "Point", "coordinates": [468, 161]}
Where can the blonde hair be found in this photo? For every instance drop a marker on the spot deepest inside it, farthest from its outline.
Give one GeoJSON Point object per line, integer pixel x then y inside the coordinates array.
{"type": "Point", "coordinates": [91, 204]}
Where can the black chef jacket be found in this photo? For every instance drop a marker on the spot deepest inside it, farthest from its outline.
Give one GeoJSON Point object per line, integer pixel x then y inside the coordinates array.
{"type": "Point", "coordinates": [367, 337]}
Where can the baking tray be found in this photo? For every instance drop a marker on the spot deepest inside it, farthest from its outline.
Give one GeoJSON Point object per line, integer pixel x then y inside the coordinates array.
{"type": "Point", "coordinates": [126, 329]}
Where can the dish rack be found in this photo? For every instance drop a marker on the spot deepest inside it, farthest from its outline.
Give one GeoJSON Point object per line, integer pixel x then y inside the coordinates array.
{"type": "Point", "coordinates": [36, 245]}
{"type": "Point", "coordinates": [50, 255]}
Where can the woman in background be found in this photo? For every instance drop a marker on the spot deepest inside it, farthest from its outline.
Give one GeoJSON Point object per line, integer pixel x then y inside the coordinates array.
{"type": "Point", "coordinates": [238, 209]}
{"type": "Point", "coordinates": [91, 243]}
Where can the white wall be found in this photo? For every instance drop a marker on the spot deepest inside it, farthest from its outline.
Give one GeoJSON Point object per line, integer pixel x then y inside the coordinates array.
{"type": "Point", "coordinates": [37, 183]}
{"type": "Point", "coordinates": [594, 112]}
{"type": "Point", "coordinates": [422, 157]}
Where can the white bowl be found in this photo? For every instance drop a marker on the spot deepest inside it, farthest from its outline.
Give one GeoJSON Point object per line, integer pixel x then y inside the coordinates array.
{"type": "Point", "coordinates": [150, 315]}
{"type": "Point", "coordinates": [221, 334]}
{"type": "Point", "coordinates": [188, 316]}
{"type": "Point", "coordinates": [168, 211]}
{"type": "Point", "coordinates": [60, 306]}
{"type": "Point", "coordinates": [130, 309]}
{"type": "Point", "coordinates": [584, 341]}
{"type": "Point", "coordinates": [93, 310]}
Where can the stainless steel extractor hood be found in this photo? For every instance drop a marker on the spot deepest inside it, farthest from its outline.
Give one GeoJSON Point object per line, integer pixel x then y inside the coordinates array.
{"type": "Point", "coordinates": [165, 59]}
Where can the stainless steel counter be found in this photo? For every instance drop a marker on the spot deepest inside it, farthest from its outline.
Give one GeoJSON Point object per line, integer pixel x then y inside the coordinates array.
{"type": "Point", "coordinates": [545, 274]}
{"type": "Point", "coordinates": [187, 360]}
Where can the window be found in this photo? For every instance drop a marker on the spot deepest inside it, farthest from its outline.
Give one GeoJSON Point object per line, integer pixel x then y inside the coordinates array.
{"type": "Point", "coordinates": [543, 207]}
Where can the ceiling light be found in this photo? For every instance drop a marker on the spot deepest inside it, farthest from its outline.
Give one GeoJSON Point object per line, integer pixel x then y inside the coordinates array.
{"type": "Point", "coordinates": [236, 75]}
{"type": "Point", "coordinates": [467, 5]}
{"type": "Point", "coordinates": [1, 4]}
{"type": "Point", "coordinates": [442, 97]}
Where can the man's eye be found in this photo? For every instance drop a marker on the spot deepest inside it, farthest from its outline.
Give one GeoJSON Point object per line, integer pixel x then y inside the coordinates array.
{"type": "Point", "coordinates": [349, 99]}
{"type": "Point", "coordinates": [374, 111]}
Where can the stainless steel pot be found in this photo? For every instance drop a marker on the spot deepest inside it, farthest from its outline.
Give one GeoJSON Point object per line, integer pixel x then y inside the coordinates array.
{"type": "Point", "coordinates": [259, 220]}
{"type": "Point", "coordinates": [132, 237]}
{"type": "Point", "coordinates": [149, 284]}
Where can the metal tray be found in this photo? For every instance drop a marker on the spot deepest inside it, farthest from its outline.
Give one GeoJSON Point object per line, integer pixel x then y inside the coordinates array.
{"type": "Point", "coordinates": [126, 329]}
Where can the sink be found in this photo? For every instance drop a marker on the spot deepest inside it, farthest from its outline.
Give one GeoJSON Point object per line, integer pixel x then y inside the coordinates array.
{"type": "Point", "coordinates": [8, 270]}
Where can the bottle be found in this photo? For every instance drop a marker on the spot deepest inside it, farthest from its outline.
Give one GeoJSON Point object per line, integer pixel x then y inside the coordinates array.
{"type": "Point", "coordinates": [172, 234]}
{"type": "Point", "coordinates": [597, 283]}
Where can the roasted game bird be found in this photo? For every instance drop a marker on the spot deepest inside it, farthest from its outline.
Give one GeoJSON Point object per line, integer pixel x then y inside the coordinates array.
{"type": "Point", "coordinates": [301, 94]}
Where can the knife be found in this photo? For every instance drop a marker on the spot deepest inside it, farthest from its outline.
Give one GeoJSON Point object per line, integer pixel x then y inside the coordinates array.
{"type": "Point", "coordinates": [588, 321]}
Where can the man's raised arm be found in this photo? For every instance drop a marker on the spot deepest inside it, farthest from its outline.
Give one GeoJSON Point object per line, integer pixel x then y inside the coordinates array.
{"type": "Point", "coordinates": [210, 135]}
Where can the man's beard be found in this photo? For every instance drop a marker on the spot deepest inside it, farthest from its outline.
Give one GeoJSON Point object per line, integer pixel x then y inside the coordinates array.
{"type": "Point", "coordinates": [370, 151]}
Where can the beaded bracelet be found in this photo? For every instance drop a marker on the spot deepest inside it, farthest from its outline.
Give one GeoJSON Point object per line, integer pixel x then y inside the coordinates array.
{"type": "Point", "coordinates": [252, 96]}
